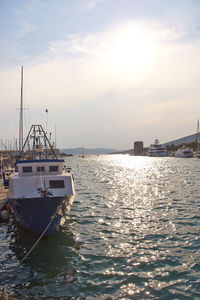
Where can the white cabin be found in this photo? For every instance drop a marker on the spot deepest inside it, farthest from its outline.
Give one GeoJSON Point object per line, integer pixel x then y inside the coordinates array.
{"type": "Point", "coordinates": [36, 176]}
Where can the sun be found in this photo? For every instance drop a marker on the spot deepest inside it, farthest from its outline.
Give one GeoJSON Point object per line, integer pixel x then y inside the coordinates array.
{"type": "Point", "coordinates": [131, 48]}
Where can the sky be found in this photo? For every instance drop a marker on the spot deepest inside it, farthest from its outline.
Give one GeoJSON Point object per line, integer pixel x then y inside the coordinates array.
{"type": "Point", "coordinates": [110, 72]}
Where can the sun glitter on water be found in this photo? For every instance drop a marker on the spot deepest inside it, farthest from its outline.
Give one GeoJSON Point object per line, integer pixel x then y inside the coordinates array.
{"type": "Point", "coordinates": [131, 162]}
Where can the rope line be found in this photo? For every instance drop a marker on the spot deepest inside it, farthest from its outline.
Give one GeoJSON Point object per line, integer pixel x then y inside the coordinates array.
{"type": "Point", "coordinates": [29, 252]}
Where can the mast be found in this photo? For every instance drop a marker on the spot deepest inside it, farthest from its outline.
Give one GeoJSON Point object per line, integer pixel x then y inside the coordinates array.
{"type": "Point", "coordinates": [21, 115]}
{"type": "Point", "coordinates": [197, 136]}
{"type": "Point", "coordinates": [55, 136]}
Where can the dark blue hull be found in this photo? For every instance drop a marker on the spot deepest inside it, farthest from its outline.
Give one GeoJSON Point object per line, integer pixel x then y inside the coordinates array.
{"type": "Point", "coordinates": [36, 214]}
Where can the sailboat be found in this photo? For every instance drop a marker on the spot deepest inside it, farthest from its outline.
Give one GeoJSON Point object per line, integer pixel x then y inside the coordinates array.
{"type": "Point", "coordinates": [41, 190]}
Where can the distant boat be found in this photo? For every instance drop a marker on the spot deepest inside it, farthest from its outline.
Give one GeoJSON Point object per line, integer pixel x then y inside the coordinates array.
{"type": "Point", "coordinates": [82, 153]}
{"type": "Point", "coordinates": [184, 152]}
{"type": "Point", "coordinates": [157, 150]}
{"type": "Point", "coordinates": [41, 191]}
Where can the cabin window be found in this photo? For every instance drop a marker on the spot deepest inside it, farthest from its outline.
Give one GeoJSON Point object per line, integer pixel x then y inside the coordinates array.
{"type": "Point", "coordinates": [27, 169]}
{"type": "Point", "coordinates": [53, 168]}
{"type": "Point", "coordinates": [40, 169]}
{"type": "Point", "coordinates": [56, 184]}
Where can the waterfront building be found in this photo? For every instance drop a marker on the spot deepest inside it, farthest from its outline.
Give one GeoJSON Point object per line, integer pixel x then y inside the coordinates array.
{"type": "Point", "coordinates": [138, 148]}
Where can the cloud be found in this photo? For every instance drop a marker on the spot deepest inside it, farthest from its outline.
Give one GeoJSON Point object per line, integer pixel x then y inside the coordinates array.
{"type": "Point", "coordinates": [81, 84]}
{"type": "Point", "coordinates": [12, 41]}
{"type": "Point", "coordinates": [90, 4]}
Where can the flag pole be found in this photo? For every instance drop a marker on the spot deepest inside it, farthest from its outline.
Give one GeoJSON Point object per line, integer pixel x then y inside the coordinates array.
{"type": "Point", "coordinates": [46, 120]}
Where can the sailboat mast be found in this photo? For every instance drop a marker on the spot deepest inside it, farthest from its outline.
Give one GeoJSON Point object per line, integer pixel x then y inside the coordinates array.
{"type": "Point", "coordinates": [21, 115]}
{"type": "Point", "coordinates": [197, 137]}
{"type": "Point", "coordinates": [55, 136]}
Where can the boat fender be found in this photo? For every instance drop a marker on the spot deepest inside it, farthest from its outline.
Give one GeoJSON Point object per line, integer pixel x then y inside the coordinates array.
{"type": "Point", "coordinates": [4, 215]}
{"type": "Point", "coordinates": [8, 207]}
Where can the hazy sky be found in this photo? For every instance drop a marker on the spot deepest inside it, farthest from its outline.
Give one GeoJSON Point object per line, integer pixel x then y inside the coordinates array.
{"type": "Point", "coordinates": [108, 71]}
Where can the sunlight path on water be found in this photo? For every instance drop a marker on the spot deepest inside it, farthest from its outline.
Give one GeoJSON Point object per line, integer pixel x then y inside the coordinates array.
{"type": "Point", "coordinates": [133, 233]}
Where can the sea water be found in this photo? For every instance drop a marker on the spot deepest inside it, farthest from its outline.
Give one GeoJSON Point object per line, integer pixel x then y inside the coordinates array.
{"type": "Point", "coordinates": [133, 233]}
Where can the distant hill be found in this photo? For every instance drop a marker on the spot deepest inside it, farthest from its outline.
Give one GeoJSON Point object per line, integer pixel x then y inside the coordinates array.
{"type": "Point", "coordinates": [130, 151]}
{"type": "Point", "coordinates": [186, 139]}
{"type": "Point", "coordinates": [88, 151]}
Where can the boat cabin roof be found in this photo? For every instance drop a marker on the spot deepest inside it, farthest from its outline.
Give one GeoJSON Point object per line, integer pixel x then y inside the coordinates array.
{"type": "Point", "coordinates": [38, 167]}
{"type": "Point", "coordinates": [39, 161]}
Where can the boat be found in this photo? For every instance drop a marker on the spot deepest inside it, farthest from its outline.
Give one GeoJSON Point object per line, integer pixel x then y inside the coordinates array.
{"type": "Point", "coordinates": [82, 153]}
{"type": "Point", "coordinates": [41, 190]}
{"type": "Point", "coordinates": [184, 152]}
{"type": "Point", "coordinates": [157, 150]}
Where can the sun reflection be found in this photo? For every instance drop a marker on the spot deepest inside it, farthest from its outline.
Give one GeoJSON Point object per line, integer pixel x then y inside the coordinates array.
{"type": "Point", "coordinates": [130, 289]}
{"type": "Point", "coordinates": [130, 162]}
{"type": "Point", "coordinates": [133, 205]}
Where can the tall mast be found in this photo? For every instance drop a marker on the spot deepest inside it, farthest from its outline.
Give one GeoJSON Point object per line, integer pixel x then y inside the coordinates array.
{"type": "Point", "coordinates": [21, 115]}
{"type": "Point", "coordinates": [55, 136]}
{"type": "Point", "coordinates": [197, 136]}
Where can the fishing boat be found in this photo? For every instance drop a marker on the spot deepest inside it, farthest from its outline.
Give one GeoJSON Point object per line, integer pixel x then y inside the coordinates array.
{"type": "Point", "coordinates": [41, 190]}
{"type": "Point", "coordinates": [157, 150]}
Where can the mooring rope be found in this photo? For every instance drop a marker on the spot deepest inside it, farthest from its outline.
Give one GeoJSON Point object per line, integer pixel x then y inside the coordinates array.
{"type": "Point", "coordinates": [32, 248]}
{"type": "Point", "coordinates": [29, 252]}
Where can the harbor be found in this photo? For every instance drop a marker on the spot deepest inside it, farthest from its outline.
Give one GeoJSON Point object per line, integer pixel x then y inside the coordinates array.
{"type": "Point", "coordinates": [124, 235]}
{"type": "Point", "coordinates": [99, 150]}
{"type": "Point", "coordinates": [112, 218]}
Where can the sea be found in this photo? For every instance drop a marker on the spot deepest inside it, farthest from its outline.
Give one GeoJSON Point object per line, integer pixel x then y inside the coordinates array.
{"type": "Point", "coordinates": [133, 232]}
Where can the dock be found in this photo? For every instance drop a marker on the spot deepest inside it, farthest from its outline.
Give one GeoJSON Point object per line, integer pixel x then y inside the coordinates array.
{"type": "Point", "coordinates": [3, 196]}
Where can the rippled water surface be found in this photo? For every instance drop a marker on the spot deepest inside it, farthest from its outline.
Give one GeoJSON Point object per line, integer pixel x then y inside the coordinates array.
{"type": "Point", "coordinates": [133, 233]}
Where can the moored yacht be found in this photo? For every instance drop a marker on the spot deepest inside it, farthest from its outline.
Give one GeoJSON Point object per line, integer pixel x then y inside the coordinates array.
{"type": "Point", "coordinates": [184, 152]}
{"type": "Point", "coordinates": [41, 191]}
{"type": "Point", "coordinates": [157, 150]}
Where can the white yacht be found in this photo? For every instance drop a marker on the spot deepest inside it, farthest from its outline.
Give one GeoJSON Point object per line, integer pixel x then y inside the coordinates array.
{"type": "Point", "coordinates": [157, 150]}
{"type": "Point", "coordinates": [184, 152]}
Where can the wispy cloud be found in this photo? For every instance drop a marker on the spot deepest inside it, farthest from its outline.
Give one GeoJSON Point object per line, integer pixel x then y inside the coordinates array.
{"type": "Point", "coordinates": [87, 80]}
{"type": "Point", "coordinates": [90, 4]}
{"type": "Point", "coordinates": [12, 42]}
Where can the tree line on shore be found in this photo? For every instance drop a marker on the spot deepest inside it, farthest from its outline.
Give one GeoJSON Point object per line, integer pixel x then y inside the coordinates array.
{"type": "Point", "coordinates": [194, 145]}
